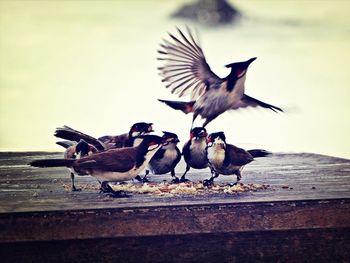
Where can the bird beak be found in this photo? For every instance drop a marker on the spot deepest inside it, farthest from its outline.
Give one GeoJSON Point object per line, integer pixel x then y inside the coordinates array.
{"type": "Point", "coordinates": [249, 61]}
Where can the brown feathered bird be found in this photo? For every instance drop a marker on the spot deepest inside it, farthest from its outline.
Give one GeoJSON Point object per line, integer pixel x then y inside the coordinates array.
{"type": "Point", "coordinates": [76, 150]}
{"type": "Point", "coordinates": [115, 165]}
{"type": "Point", "coordinates": [185, 71]}
{"type": "Point", "coordinates": [227, 159]}
{"type": "Point", "coordinates": [108, 141]}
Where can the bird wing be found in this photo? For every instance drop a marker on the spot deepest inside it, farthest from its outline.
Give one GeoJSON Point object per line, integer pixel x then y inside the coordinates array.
{"type": "Point", "coordinates": [185, 69]}
{"type": "Point", "coordinates": [247, 101]}
{"type": "Point", "coordinates": [69, 133]}
{"type": "Point", "coordinates": [178, 158]}
{"type": "Point", "coordinates": [186, 150]}
{"type": "Point", "coordinates": [115, 160]}
{"type": "Point", "coordinates": [118, 140]}
{"type": "Point", "coordinates": [236, 156]}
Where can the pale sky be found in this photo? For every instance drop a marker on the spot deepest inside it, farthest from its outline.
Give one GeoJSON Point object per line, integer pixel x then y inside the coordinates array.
{"type": "Point", "coordinates": [92, 65]}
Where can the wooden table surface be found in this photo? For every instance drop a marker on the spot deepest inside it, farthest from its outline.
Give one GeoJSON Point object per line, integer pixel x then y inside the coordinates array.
{"type": "Point", "coordinates": [290, 177]}
{"type": "Point", "coordinates": [304, 213]}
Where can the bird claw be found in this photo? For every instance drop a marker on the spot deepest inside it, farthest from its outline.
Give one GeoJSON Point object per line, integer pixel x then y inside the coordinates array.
{"type": "Point", "coordinates": [184, 180]}
{"type": "Point", "coordinates": [74, 189]}
{"type": "Point", "coordinates": [176, 180]}
{"type": "Point", "coordinates": [208, 182]}
{"type": "Point", "coordinates": [108, 190]}
{"type": "Point", "coordinates": [142, 180]}
{"type": "Point", "coordinates": [118, 194]}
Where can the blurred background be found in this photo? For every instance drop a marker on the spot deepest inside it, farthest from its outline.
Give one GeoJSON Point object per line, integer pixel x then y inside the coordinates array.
{"type": "Point", "coordinates": [92, 65]}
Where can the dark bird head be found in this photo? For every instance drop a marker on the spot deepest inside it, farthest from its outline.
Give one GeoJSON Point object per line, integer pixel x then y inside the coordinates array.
{"type": "Point", "coordinates": [238, 69]}
{"type": "Point", "coordinates": [82, 148]}
{"type": "Point", "coordinates": [216, 138]}
{"type": "Point", "coordinates": [140, 128]}
{"type": "Point", "coordinates": [151, 142]}
{"type": "Point", "coordinates": [198, 132]}
{"type": "Point", "coordinates": [170, 137]}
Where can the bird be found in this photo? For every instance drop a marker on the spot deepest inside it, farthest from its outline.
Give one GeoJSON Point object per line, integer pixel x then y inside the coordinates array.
{"type": "Point", "coordinates": [194, 151]}
{"type": "Point", "coordinates": [108, 141]}
{"type": "Point", "coordinates": [166, 159]}
{"type": "Point", "coordinates": [186, 71]}
{"type": "Point", "coordinates": [227, 159]}
{"type": "Point", "coordinates": [76, 150]}
{"type": "Point", "coordinates": [114, 165]}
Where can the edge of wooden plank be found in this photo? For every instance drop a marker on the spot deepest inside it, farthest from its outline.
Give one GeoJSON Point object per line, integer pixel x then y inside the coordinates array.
{"type": "Point", "coordinates": [174, 220]}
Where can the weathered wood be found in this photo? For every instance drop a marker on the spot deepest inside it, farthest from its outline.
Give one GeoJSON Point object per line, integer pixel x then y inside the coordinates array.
{"type": "Point", "coordinates": [305, 210]}
{"type": "Point", "coordinates": [290, 176]}
{"type": "Point", "coordinates": [326, 245]}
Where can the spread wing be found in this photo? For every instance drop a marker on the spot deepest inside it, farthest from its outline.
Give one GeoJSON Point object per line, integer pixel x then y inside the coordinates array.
{"type": "Point", "coordinates": [115, 160]}
{"type": "Point", "coordinates": [237, 156]}
{"type": "Point", "coordinates": [185, 69]}
{"type": "Point", "coordinates": [248, 101]}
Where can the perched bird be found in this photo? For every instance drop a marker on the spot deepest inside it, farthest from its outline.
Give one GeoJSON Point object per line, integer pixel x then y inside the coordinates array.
{"type": "Point", "coordinates": [227, 159]}
{"type": "Point", "coordinates": [185, 71]}
{"type": "Point", "coordinates": [108, 141]}
{"type": "Point", "coordinates": [166, 159]}
{"type": "Point", "coordinates": [194, 151]}
{"type": "Point", "coordinates": [114, 165]}
{"type": "Point", "coordinates": [76, 150]}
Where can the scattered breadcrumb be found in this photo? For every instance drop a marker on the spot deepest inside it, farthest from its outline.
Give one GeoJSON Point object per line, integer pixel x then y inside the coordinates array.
{"type": "Point", "coordinates": [171, 189]}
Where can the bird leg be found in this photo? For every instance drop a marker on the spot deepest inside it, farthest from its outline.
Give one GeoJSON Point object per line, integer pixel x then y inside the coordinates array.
{"type": "Point", "coordinates": [210, 181]}
{"type": "Point", "coordinates": [144, 179]}
{"type": "Point", "coordinates": [107, 189]}
{"type": "Point", "coordinates": [239, 177]}
{"type": "Point", "coordinates": [74, 189]}
{"type": "Point", "coordinates": [207, 120]}
{"type": "Point", "coordinates": [195, 115]}
{"type": "Point", "coordinates": [183, 179]}
{"type": "Point", "coordinates": [175, 179]}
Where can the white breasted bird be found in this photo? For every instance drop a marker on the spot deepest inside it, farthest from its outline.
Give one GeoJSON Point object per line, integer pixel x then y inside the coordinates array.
{"type": "Point", "coordinates": [185, 71]}
{"type": "Point", "coordinates": [114, 165]}
{"type": "Point", "coordinates": [108, 141]}
{"type": "Point", "coordinates": [227, 159]}
{"type": "Point", "coordinates": [166, 159]}
{"type": "Point", "coordinates": [76, 150]}
{"type": "Point", "coordinates": [194, 151]}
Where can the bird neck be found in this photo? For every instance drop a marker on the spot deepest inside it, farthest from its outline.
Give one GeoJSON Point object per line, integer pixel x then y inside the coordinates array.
{"type": "Point", "coordinates": [216, 153]}
{"type": "Point", "coordinates": [231, 80]}
{"type": "Point", "coordinates": [143, 154]}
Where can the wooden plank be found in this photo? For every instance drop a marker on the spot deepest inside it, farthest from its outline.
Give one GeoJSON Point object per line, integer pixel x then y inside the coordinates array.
{"type": "Point", "coordinates": [290, 176]}
{"type": "Point", "coordinates": [311, 245]}
{"type": "Point", "coordinates": [174, 220]}
{"type": "Point", "coordinates": [305, 213]}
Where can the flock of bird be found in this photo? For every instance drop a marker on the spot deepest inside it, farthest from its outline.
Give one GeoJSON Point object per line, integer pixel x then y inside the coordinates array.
{"type": "Point", "coordinates": [122, 157]}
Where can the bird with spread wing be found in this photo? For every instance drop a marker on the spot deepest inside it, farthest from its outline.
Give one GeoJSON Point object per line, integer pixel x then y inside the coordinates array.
{"type": "Point", "coordinates": [185, 71]}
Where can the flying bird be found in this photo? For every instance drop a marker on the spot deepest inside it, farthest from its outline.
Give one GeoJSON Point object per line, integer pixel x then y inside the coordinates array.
{"type": "Point", "coordinates": [108, 141]}
{"type": "Point", "coordinates": [114, 165]}
{"type": "Point", "coordinates": [186, 71]}
{"type": "Point", "coordinates": [227, 159]}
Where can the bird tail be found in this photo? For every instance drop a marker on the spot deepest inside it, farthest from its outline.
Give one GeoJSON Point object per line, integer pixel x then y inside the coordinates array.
{"type": "Point", "coordinates": [52, 163]}
{"type": "Point", "coordinates": [70, 134]}
{"type": "Point", "coordinates": [66, 144]}
{"type": "Point", "coordinates": [259, 153]}
{"type": "Point", "coordinates": [185, 107]}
